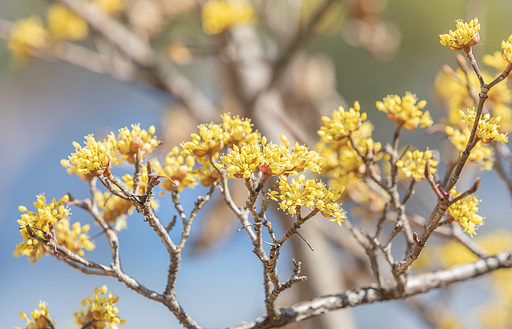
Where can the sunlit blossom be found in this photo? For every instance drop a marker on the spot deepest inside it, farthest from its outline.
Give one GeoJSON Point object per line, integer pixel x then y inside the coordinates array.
{"type": "Point", "coordinates": [130, 142]}
{"type": "Point", "coordinates": [481, 153]}
{"type": "Point", "coordinates": [40, 318]}
{"type": "Point", "coordinates": [308, 193]}
{"type": "Point", "coordinates": [100, 310]}
{"type": "Point", "coordinates": [342, 123]}
{"type": "Point", "coordinates": [487, 129]}
{"type": "Point", "coordinates": [412, 164]}
{"type": "Point", "coordinates": [92, 158]}
{"type": "Point", "coordinates": [406, 110]}
{"type": "Point", "coordinates": [465, 35]}
{"type": "Point", "coordinates": [37, 223]}
{"type": "Point", "coordinates": [464, 212]}
{"type": "Point", "coordinates": [177, 167]}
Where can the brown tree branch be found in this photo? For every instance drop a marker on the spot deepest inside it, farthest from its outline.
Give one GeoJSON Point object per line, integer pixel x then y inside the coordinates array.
{"type": "Point", "coordinates": [416, 284]}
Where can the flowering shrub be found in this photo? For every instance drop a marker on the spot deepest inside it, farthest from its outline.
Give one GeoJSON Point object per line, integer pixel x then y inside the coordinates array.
{"type": "Point", "coordinates": [344, 173]}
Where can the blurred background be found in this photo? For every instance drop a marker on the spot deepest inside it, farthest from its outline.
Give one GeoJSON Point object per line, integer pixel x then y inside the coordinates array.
{"type": "Point", "coordinates": [361, 51]}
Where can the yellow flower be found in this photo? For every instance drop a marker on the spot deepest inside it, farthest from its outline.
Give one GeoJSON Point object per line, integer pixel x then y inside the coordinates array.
{"type": "Point", "coordinates": [209, 141]}
{"type": "Point", "coordinates": [464, 212]}
{"type": "Point", "coordinates": [219, 15]}
{"type": "Point", "coordinates": [507, 49]}
{"type": "Point", "coordinates": [177, 167]}
{"type": "Point", "coordinates": [101, 310]}
{"type": "Point", "coordinates": [40, 316]}
{"type": "Point", "coordinates": [239, 130]}
{"type": "Point", "coordinates": [454, 93]}
{"type": "Point", "coordinates": [242, 161]}
{"type": "Point", "coordinates": [487, 129]}
{"type": "Point", "coordinates": [406, 110]}
{"type": "Point", "coordinates": [129, 142]}
{"type": "Point", "coordinates": [413, 164]}
{"type": "Point", "coordinates": [39, 222]}
{"type": "Point", "coordinates": [308, 193]}
{"type": "Point", "coordinates": [110, 6]}
{"type": "Point", "coordinates": [341, 162]}
{"type": "Point", "coordinates": [278, 160]}
{"type": "Point", "coordinates": [27, 37]}
{"type": "Point", "coordinates": [64, 24]}
{"type": "Point", "coordinates": [74, 237]}
{"type": "Point", "coordinates": [93, 158]}
{"type": "Point", "coordinates": [481, 153]}
{"type": "Point", "coordinates": [466, 35]}
{"type": "Point", "coordinates": [342, 123]}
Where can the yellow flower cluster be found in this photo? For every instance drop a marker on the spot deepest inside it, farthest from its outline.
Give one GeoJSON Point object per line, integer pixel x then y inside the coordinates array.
{"type": "Point", "coordinates": [341, 162]}
{"type": "Point", "coordinates": [487, 129]}
{"type": "Point", "coordinates": [270, 158]}
{"type": "Point", "coordinates": [279, 160]}
{"type": "Point", "coordinates": [464, 212]}
{"type": "Point", "coordinates": [342, 123]}
{"type": "Point", "coordinates": [209, 141]}
{"type": "Point", "coordinates": [27, 37]}
{"type": "Point", "coordinates": [243, 160]}
{"type": "Point", "coordinates": [40, 316]}
{"type": "Point", "coordinates": [110, 6]}
{"type": "Point", "coordinates": [481, 153]}
{"type": "Point", "coordinates": [453, 92]}
{"type": "Point", "coordinates": [308, 193]}
{"type": "Point", "coordinates": [93, 158]}
{"type": "Point", "coordinates": [177, 167]}
{"type": "Point", "coordinates": [64, 24]}
{"type": "Point", "coordinates": [213, 137]}
{"type": "Point", "coordinates": [129, 142]}
{"type": "Point", "coordinates": [406, 110]}
{"type": "Point", "coordinates": [74, 237]}
{"type": "Point", "coordinates": [219, 15]}
{"type": "Point", "coordinates": [507, 49]}
{"type": "Point", "coordinates": [43, 220]}
{"type": "Point", "coordinates": [239, 130]}
{"type": "Point", "coordinates": [412, 164]}
{"type": "Point", "coordinates": [101, 311]}
{"type": "Point", "coordinates": [466, 35]}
